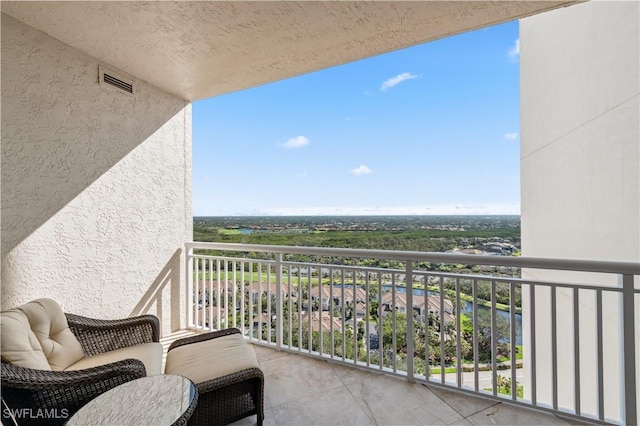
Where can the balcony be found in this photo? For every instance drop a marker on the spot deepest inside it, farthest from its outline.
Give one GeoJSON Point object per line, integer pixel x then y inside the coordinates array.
{"type": "Point", "coordinates": [97, 197]}
{"type": "Point", "coordinates": [360, 334]}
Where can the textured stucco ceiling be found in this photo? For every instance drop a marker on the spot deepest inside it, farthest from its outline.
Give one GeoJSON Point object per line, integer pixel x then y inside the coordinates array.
{"type": "Point", "coordinates": [201, 49]}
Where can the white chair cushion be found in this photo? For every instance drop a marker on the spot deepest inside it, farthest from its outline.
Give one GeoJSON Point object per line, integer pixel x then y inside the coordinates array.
{"type": "Point", "coordinates": [149, 353]}
{"type": "Point", "coordinates": [49, 324]}
{"type": "Point", "coordinates": [19, 345]}
{"type": "Point", "coordinates": [212, 358]}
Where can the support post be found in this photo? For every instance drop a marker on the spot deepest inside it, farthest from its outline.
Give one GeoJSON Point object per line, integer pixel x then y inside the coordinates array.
{"type": "Point", "coordinates": [408, 279]}
{"type": "Point", "coordinates": [629, 351]}
{"type": "Point", "coordinates": [279, 309]}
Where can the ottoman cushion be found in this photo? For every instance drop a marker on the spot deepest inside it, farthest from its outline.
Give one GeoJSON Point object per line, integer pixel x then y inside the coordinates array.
{"type": "Point", "coordinates": [211, 359]}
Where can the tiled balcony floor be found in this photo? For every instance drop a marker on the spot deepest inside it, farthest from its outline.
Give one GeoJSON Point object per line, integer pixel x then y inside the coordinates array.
{"type": "Point", "coordinates": [304, 391]}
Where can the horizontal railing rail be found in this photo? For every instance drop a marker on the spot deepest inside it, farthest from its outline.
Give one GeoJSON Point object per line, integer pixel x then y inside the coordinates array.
{"type": "Point", "coordinates": [544, 343]}
{"type": "Point", "coordinates": [632, 268]}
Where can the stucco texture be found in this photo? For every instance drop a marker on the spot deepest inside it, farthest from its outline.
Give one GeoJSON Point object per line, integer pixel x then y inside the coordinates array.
{"type": "Point", "coordinates": [96, 184]}
{"type": "Point", "coordinates": [200, 49]}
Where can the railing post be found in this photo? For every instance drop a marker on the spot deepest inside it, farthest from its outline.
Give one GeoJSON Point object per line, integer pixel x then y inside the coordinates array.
{"type": "Point", "coordinates": [408, 279]}
{"type": "Point", "coordinates": [629, 351]}
{"type": "Point", "coordinates": [279, 310]}
{"type": "Point", "coordinates": [189, 282]}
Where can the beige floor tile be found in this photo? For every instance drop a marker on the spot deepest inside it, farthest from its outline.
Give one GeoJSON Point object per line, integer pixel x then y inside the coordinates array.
{"type": "Point", "coordinates": [390, 400]}
{"type": "Point", "coordinates": [304, 391]}
{"type": "Point", "coordinates": [267, 400]}
{"type": "Point", "coordinates": [464, 404]}
{"type": "Point", "coordinates": [265, 353]}
{"type": "Point", "coordinates": [290, 378]}
{"type": "Point", "coordinates": [332, 407]}
{"type": "Point", "coordinates": [575, 422]}
{"type": "Point", "coordinates": [506, 414]}
{"type": "Point", "coordinates": [247, 421]}
{"type": "Point", "coordinates": [462, 422]}
{"type": "Point", "coordinates": [348, 375]}
{"type": "Point", "coordinates": [253, 420]}
{"type": "Point", "coordinates": [437, 406]}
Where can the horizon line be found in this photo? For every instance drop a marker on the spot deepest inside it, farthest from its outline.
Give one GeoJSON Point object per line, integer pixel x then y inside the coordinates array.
{"type": "Point", "coordinates": [458, 209]}
{"type": "Point", "coordinates": [357, 215]}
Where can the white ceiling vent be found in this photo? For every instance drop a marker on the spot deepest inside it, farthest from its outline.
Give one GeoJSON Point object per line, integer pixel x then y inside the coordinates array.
{"type": "Point", "coordinates": [110, 78]}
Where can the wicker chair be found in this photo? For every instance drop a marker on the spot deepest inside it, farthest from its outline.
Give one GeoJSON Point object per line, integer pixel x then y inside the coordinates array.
{"type": "Point", "coordinates": [54, 396]}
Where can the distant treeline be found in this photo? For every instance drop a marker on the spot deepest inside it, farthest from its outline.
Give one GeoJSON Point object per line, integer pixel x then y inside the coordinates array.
{"type": "Point", "coordinates": [413, 233]}
{"type": "Point", "coordinates": [427, 240]}
{"type": "Point", "coordinates": [379, 223]}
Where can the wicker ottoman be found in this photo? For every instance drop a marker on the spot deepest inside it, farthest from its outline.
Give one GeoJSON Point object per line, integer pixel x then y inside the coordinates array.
{"type": "Point", "coordinates": [226, 373]}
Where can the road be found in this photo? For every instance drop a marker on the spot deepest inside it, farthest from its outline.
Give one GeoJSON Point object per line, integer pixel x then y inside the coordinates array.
{"type": "Point", "coordinates": [485, 377]}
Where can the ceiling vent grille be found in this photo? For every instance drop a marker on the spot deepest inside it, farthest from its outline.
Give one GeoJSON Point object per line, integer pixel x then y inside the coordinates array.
{"type": "Point", "coordinates": [114, 80]}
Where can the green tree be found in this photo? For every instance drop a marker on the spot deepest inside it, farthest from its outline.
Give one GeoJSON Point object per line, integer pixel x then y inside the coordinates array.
{"type": "Point", "coordinates": [401, 334]}
{"type": "Point", "coordinates": [450, 343]}
{"type": "Point", "coordinates": [484, 334]}
{"type": "Point", "coordinates": [400, 331]}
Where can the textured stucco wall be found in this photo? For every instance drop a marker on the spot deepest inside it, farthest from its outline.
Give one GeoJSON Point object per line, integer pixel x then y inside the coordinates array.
{"type": "Point", "coordinates": [96, 184]}
{"type": "Point", "coordinates": [200, 49]}
{"type": "Point", "coordinates": [580, 167]}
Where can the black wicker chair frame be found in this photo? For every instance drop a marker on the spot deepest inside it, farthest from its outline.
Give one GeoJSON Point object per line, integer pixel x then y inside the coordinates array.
{"type": "Point", "coordinates": [229, 398]}
{"type": "Point", "coordinates": [54, 396]}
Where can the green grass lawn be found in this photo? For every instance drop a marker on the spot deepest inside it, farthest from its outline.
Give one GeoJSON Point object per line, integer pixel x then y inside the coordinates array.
{"type": "Point", "coordinates": [447, 370]}
{"type": "Point", "coordinates": [262, 277]}
{"type": "Point", "coordinates": [519, 391]}
{"type": "Point", "coordinates": [518, 355]}
{"type": "Point", "coordinates": [229, 231]}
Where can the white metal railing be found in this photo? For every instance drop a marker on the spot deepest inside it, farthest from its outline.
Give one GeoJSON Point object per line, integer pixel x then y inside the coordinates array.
{"type": "Point", "coordinates": [445, 329]}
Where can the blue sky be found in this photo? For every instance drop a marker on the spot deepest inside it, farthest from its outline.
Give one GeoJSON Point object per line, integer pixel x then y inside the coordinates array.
{"type": "Point", "coordinates": [431, 129]}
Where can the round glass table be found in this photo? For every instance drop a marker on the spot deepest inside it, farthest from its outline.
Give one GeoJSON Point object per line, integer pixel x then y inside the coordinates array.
{"type": "Point", "coordinates": [165, 399]}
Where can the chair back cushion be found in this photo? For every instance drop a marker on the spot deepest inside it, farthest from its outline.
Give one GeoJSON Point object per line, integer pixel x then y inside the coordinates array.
{"type": "Point", "coordinates": [19, 344]}
{"type": "Point", "coordinates": [54, 341]}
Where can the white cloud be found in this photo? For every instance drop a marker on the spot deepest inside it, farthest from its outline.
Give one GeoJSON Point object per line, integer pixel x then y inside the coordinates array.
{"type": "Point", "coordinates": [397, 80]}
{"type": "Point", "coordinates": [514, 52]}
{"type": "Point", "coordinates": [297, 142]}
{"type": "Point", "coordinates": [362, 170]}
{"type": "Point", "coordinates": [511, 136]}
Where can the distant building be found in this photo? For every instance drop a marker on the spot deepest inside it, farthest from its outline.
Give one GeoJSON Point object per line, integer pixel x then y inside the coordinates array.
{"type": "Point", "coordinates": [400, 304]}
{"type": "Point", "coordinates": [209, 316]}
{"type": "Point", "coordinates": [256, 290]}
{"type": "Point", "coordinates": [322, 320]}
{"type": "Point", "coordinates": [327, 296]}
{"type": "Point", "coordinates": [499, 248]}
